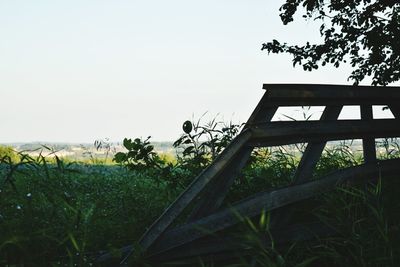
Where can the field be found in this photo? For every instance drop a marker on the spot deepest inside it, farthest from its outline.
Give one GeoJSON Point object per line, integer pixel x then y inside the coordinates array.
{"type": "Point", "coordinates": [56, 212]}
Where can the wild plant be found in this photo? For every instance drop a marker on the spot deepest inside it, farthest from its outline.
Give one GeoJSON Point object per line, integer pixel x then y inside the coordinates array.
{"type": "Point", "coordinates": [201, 143]}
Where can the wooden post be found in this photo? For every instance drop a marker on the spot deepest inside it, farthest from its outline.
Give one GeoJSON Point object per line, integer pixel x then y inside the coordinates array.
{"type": "Point", "coordinates": [314, 150]}
{"type": "Point", "coordinates": [369, 148]}
{"type": "Point", "coordinates": [309, 160]}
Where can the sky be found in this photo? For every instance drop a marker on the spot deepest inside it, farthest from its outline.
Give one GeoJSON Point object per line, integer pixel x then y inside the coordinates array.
{"type": "Point", "coordinates": [78, 71]}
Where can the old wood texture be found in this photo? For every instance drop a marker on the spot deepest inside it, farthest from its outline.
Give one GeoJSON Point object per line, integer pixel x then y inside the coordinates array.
{"type": "Point", "coordinates": [395, 110]}
{"type": "Point", "coordinates": [325, 95]}
{"type": "Point", "coordinates": [369, 149]}
{"type": "Point", "coordinates": [172, 212]}
{"type": "Point", "coordinates": [216, 191]}
{"type": "Point", "coordinates": [306, 166]}
{"type": "Point", "coordinates": [166, 240]}
{"type": "Point", "coordinates": [270, 200]}
{"type": "Point", "coordinates": [227, 246]}
{"type": "Point", "coordinates": [283, 132]}
{"type": "Point", "coordinates": [314, 150]}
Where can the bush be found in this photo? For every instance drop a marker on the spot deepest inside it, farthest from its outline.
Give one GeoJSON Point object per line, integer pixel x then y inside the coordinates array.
{"type": "Point", "coordinates": [7, 153]}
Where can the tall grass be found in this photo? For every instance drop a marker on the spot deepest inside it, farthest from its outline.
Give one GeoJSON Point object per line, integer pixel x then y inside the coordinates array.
{"type": "Point", "coordinates": [54, 212]}
{"type": "Point", "coordinates": [51, 212]}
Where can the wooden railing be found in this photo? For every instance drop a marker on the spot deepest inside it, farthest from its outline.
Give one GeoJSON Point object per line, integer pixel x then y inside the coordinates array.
{"type": "Point", "coordinates": [208, 190]}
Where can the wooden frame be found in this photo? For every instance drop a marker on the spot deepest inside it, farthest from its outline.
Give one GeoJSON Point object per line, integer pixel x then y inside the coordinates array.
{"type": "Point", "coordinates": [208, 190]}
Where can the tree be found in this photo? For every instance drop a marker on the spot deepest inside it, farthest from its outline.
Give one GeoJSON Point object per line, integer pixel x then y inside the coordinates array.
{"type": "Point", "coordinates": [364, 32]}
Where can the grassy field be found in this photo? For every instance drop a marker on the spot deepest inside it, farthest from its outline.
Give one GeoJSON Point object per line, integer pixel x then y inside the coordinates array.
{"type": "Point", "coordinates": [61, 213]}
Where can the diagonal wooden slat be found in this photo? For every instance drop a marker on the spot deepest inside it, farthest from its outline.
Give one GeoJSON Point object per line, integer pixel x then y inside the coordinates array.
{"type": "Point", "coordinates": [234, 247]}
{"type": "Point", "coordinates": [314, 150]}
{"type": "Point", "coordinates": [306, 166]}
{"type": "Point", "coordinates": [263, 111]}
{"type": "Point", "coordinates": [270, 200]}
{"type": "Point", "coordinates": [395, 109]}
{"type": "Point", "coordinates": [217, 190]}
{"type": "Point", "coordinates": [176, 208]}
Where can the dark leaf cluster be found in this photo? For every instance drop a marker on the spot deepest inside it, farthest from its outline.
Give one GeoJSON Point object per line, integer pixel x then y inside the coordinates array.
{"type": "Point", "coordinates": [140, 155]}
{"type": "Point", "coordinates": [364, 33]}
{"type": "Point", "coordinates": [202, 143]}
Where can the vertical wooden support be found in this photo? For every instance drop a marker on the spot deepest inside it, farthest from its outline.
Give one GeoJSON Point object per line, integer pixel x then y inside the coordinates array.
{"type": "Point", "coordinates": [369, 149]}
{"type": "Point", "coordinates": [306, 167]}
{"type": "Point", "coordinates": [314, 150]}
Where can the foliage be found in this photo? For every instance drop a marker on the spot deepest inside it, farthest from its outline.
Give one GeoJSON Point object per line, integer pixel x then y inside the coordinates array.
{"type": "Point", "coordinates": [202, 143]}
{"type": "Point", "coordinates": [366, 226]}
{"type": "Point", "coordinates": [140, 155]}
{"type": "Point", "coordinates": [196, 148]}
{"type": "Point", "coordinates": [7, 153]}
{"type": "Point", "coordinates": [69, 212]}
{"type": "Point", "coordinates": [389, 148]}
{"type": "Point", "coordinates": [366, 33]}
{"type": "Point", "coordinates": [56, 213]}
{"type": "Point", "coordinates": [366, 229]}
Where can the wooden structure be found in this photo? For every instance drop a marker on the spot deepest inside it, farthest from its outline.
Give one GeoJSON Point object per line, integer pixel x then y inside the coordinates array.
{"type": "Point", "coordinates": [165, 240]}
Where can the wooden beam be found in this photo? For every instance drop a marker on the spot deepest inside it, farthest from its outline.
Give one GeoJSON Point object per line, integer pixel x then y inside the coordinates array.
{"type": "Point", "coordinates": [235, 247]}
{"type": "Point", "coordinates": [322, 94]}
{"type": "Point", "coordinates": [263, 111]}
{"type": "Point", "coordinates": [306, 167]}
{"type": "Point", "coordinates": [395, 109]}
{"type": "Point", "coordinates": [192, 191]}
{"type": "Point", "coordinates": [369, 149]}
{"type": "Point", "coordinates": [270, 200]}
{"type": "Point", "coordinates": [217, 190]}
{"type": "Point", "coordinates": [281, 133]}
{"type": "Point", "coordinates": [359, 89]}
{"type": "Point", "coordinates": [314, 150]}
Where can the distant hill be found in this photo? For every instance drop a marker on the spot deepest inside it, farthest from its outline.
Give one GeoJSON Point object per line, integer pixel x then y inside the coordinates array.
{"type": "Point", "coordinates": [78, 151]}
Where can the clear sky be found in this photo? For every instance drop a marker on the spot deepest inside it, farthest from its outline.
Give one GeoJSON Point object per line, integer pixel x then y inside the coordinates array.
{"type": "Point", "coordinates": [76, 71]}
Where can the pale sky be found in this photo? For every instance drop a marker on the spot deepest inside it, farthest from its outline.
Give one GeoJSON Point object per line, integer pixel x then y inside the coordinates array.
{"type": "Point", "coordinates": [77, 71]}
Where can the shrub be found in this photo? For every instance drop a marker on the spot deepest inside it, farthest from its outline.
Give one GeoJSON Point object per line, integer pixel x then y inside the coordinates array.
{"type": "Point", "coordinates": [7, 153]}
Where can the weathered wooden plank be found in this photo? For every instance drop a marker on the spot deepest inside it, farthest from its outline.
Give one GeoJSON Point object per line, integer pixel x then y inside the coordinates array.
{"type": "Point", "coordinates": [327, 87]}
{"type": "Point", "coordinates": [173, 211]}
{"type": "Point", "coordinates": [217, 190]}
{"type": "Point", "coordinates": [369, 149]}
{"type": "Point", "coordinates": [290, 102]}
{"type": "Point", "coordinates": [234, 247]}
{"type": "Point", "coordinates": [270, 200]}
{"type": "Point", "coordinates": [331, 91]}
{"type": "Point", "coordinates": [395, 109]}
{"type": "Point", "coordinates": [280, 133]}
{"type": "Point", "coordinates": [323, 94]}
{"type": "Point", "coordinates": [107, 259]}
{"type": "Point", "coordinates": [306, 166]}
{"type": "Point", "coordinates": [263, 111]}
{"type": "Point", "coordinates": [313, 151]}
